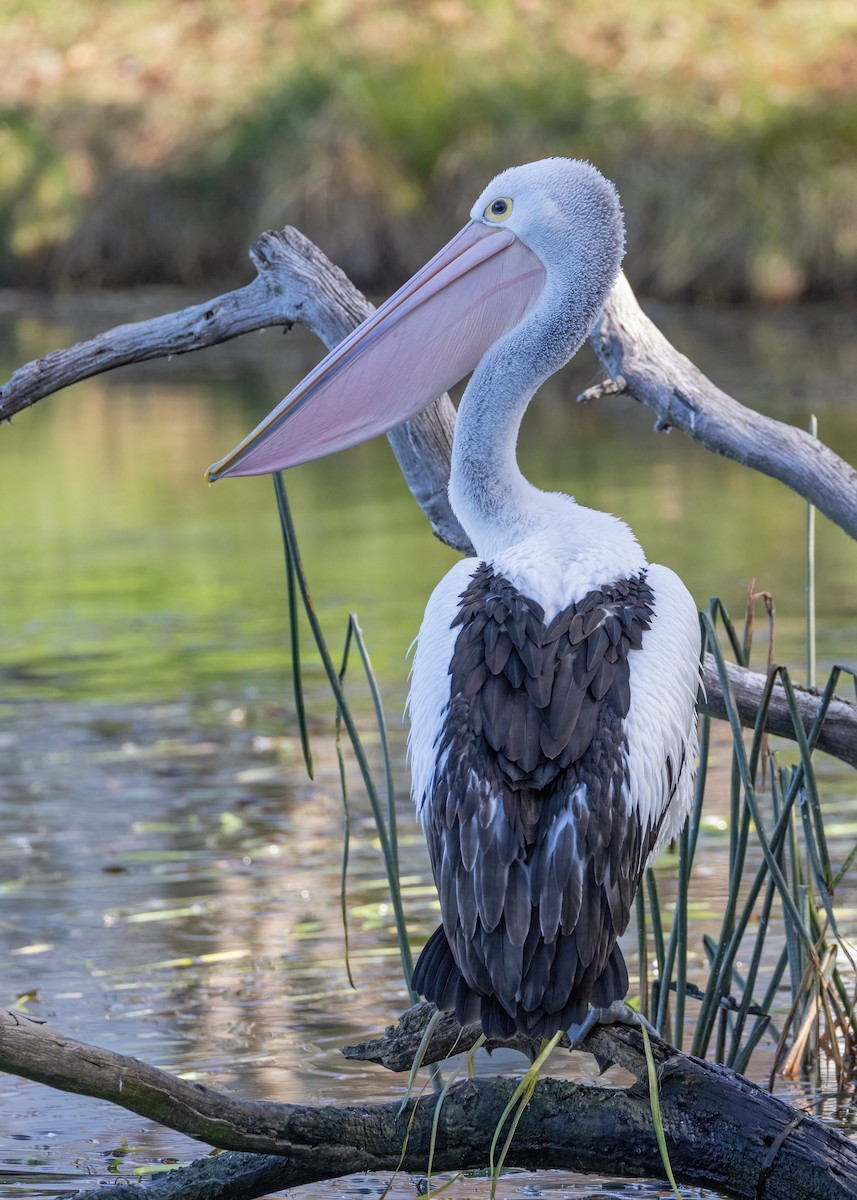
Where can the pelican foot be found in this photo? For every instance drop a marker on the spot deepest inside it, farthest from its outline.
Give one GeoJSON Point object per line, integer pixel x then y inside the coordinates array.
{"type": "Point", "coordinates": [618, 1013]}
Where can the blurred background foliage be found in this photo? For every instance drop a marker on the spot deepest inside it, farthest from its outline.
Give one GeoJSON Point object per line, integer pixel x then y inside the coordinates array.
{"type": "Point", "coordinates": [150, 141]}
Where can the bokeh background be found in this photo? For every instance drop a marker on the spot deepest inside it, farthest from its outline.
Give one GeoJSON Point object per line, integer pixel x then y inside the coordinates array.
{"type": "Point", "coordinates": [149, 141]}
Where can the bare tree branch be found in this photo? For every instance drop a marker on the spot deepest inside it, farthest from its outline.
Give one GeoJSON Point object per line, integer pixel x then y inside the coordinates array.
{"type": "Point", "coordinates": [722, 1131]}
{"type": "Point", "coordinates": [642, 363]}
{"type": "Point", "coordinates": [296, 282]}
{"type": "Point", "coordinates": [838, 734]}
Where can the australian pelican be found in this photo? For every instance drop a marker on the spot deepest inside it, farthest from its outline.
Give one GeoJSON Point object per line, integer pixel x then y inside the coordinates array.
{"type": "Point", "coordinates": [553, 690]}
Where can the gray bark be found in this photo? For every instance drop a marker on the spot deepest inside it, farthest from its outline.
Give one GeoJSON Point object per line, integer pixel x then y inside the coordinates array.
{"type": "Point", "coordinates": [838, 734]}
{"type": "Point", "coordinates": [722, 1131]}
{"type": "Point", "coordinates": [296, 283]}
{"type": "Point", "coordinates": [643, 364]}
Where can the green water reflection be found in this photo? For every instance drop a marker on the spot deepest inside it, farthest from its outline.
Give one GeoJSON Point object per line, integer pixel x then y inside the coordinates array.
{"type": "Point", "coordinates": [168, 878]}
{"type": "Point", "coordinates": [123, 575]}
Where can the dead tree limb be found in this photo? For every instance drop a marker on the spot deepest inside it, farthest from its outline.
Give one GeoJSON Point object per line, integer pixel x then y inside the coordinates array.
{"type": "Point", "coordinates": [643, 364]}
{"type": "Point", "coordinates": [722, 1131]}
{"type": "Point", "coordinates": [296, 283]}
{"type": "Point", "coordinates": [838, 734]}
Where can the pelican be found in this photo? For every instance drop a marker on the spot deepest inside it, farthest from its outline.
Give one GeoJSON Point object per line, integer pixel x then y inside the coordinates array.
{"type": "Point", "coordinates": [552, 699]}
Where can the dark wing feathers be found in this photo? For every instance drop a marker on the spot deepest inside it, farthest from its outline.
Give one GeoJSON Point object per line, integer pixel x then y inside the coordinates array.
{"type": "Point", "coordinates": [465, 901]}
{"type": "Point", "coordinates": [518, 909]}
{"type": "Point", "coordinates": [571, 899]}
{"type": "Point", "coordinates": [534, 852]}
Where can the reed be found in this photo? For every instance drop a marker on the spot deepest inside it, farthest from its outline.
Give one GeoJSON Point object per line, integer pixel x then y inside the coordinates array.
{"type": "Point", "coordinates": [386, 836]}
{"type": "Point", "coordinates": [795, 880]}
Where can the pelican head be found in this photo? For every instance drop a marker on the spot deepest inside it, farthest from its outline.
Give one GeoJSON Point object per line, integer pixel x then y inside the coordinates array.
{"type": "Point", "coordinates": [562, 209]}
{"type": "Point", "coordinates": [544, 242]}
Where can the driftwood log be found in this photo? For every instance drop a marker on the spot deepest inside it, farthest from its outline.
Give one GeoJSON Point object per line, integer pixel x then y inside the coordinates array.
{"type": "Point", "coordinates": [295, 282]}
{"type": "Point", "coordinates": [722, 1131]}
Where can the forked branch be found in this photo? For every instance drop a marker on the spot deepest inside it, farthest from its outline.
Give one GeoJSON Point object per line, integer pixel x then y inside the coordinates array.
{"type": "Point", "coordinates": [295, 282]}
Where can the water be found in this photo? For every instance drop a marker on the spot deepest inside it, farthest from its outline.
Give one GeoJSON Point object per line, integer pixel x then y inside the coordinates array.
{"type": "Point", "coordinates": [169, 878]}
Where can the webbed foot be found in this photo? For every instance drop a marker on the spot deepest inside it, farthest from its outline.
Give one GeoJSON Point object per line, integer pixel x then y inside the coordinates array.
{"type": "Point", "coordinates": [618, 1013]}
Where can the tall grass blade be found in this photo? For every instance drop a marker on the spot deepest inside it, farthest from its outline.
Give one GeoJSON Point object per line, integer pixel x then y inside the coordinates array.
{"type": "Point", "coordinates": [657, 920]}
{"type": "Point", "coordinates": [742, 1059]}
{"type": "Point", "coordinates": [520, 1097]}
{"type": "Point", "coordinates": [418, 1057]}
{"type": "Point", "coordinates": [848, 1003]}
{"type": "Point", "coordinates": [346, 847]}
{"type": "Point", "coordinates": [792, 896]}
{"type": "Point", "coordinates": [752, 973]}
{"type": "Point", "coordinates": [810, 578]}
{"type": "Point", "coordinates": [659, 983]}
{"type": "Point", "coordinates": [444, 1187]}
{"type": "Point", "coordinates": [789, 783]}
{"type": "Point", "coordinates": [439, 1105]}
{"type": "Point", "coordinates": [750, 797]}
{"type": "Point", "coordinates": [374, 691]}
{"type": "Point", "coordinates": [642, 952]}
{"type": "Point", "coordinates": [294, 635]}
{"type": "Point", "coordinates": [717, 609]}
{"type": "Point", "coordinates": [676, 952]}
{"type": "Point", "coordinates": [657, 1116]}
{"type": "Point", "coordinates": [725, 954]}
{"type": "Point", "coordinates": [806, 745]}
{"type": "Point", "coordinates": [293, 551]}
{"type": "Point", "coordinates": [405, 1140]}
{"type": "Point", "coordinates": [678, 942]}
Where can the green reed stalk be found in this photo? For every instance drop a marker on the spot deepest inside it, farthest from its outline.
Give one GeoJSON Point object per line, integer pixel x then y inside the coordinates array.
{"type": "Point", "coordinates": [810, 578]}
{"type": "Point", "coordinates": [346, 845]}
{"type": "Point", "coordinates": [748, 985]}
{"type": "Point", "coordinates": [642, 952]}
{"type": "Point", "coordinates": [354, 631]}
{"type": "Point", "coordinates": [294, 635]}
{"type": "Point", "coordinates": [749, 789]}
{"type": "Point", "coordinates": [293, 551]}
{"type": "Point", "coordinates": [657, 920]}
{"type": "Point", "coordinates": [763, 1020]}
{"type": "Point", "coordinates": [657, 1116]}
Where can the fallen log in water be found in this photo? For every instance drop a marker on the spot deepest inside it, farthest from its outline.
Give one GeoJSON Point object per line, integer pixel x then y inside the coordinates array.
{"type": "Point", "coordinates": [722, 1131]}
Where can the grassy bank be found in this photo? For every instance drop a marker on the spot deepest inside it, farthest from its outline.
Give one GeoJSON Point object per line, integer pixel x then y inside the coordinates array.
{"type": "Point", "coordinates": [151, 140]}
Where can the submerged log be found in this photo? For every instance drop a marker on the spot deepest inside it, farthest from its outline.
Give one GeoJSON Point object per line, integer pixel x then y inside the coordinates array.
{"type": "Point", "coordinates": [722, 1131]}
{"type": "Point", "coordinates": [296, 283]}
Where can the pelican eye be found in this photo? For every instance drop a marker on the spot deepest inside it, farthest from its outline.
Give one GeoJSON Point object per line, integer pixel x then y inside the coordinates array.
{"type": "Point", "coordinates": [499, 209]}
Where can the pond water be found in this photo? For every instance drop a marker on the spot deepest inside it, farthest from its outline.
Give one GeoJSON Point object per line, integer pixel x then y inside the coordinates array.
{"type": "Point", "coordinates": [169, 876]}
